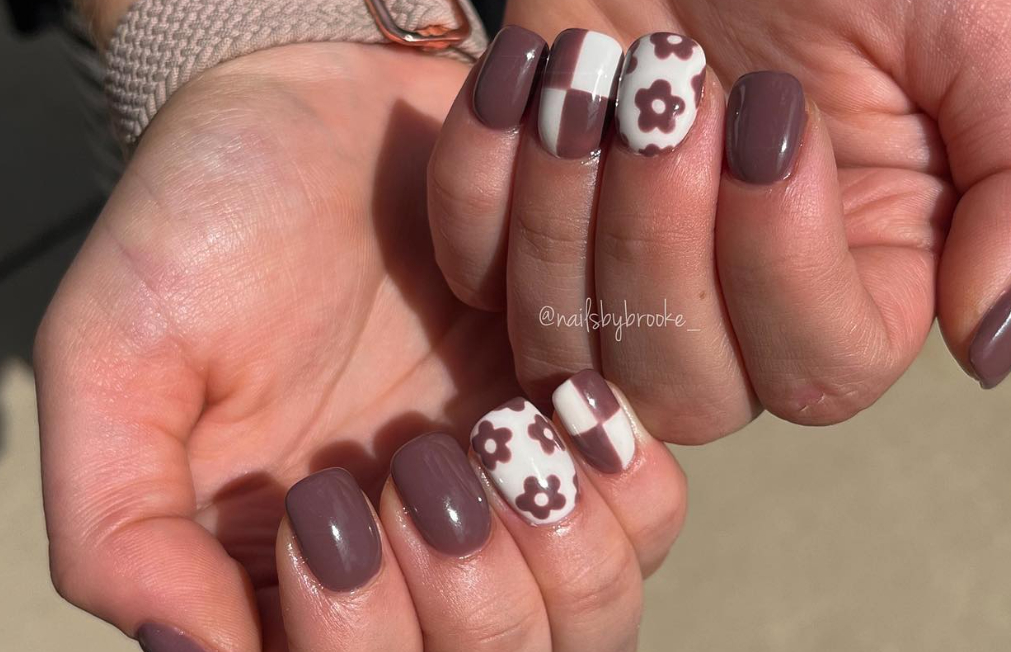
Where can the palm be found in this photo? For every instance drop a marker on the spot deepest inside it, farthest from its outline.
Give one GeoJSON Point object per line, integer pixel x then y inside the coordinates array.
{"type": "Point", "coordinates": [308, 323]}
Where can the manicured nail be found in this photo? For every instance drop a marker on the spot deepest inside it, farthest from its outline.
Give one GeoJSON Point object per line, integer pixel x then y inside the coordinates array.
{"type": "Point", "coordinates": [527, 461]}
{"type": "Point", "coordinates": [442, 494]}
{"type": "Point", "coordinates": [502, 89]}
{"type": "Point", "coordinates": [162, 638]}
{"type": "Point", "coordinates": [579, 84]}
{"type": "Point", "coordinates": [660, 92]}
{"type": "Point", "coordinates": [990, 351]}
{"type": "Point", "coordinates": [335, 530]}
{"type": "Point", "coordinates": [766, 115]}
{"type": "Point", "coordinates": [594, 418]}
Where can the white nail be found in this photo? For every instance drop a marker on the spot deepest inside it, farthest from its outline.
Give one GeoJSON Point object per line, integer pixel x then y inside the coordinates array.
{"type": "Point", "coordinates": [660, 92]}
{"type": "Point", "coordinates": [527, 461]}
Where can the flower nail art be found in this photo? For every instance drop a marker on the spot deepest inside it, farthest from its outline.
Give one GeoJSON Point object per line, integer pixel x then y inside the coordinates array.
{"type": "Point", "coordinates": [491, 444]}
{"type": "Point", "coordinates": [537, 476]}
{"type": "Point", "coordinates": [539, 500]}
{"type": "Point", "coordinates": [658, 107]}
{"type": "Point", "coordinates": [660, 92]}
{"type": "Point", "coordinates": [542, 431]}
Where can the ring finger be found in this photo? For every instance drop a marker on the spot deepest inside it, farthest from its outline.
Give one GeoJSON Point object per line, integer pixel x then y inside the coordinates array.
{"type": "Point", "coordinates": [554, 197]}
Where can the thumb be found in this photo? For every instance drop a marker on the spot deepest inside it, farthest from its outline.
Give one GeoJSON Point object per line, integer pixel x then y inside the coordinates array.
{"type": "Point", "coordinates": [115, 413]}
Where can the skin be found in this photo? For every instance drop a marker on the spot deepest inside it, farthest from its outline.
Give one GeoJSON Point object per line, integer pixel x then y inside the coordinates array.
{"type": "Point", "coordinates": [252, 306]}
{"type": "Point", "coordinates": [203, 354]}
{"type": "Point", "coordinates": [813, 295]}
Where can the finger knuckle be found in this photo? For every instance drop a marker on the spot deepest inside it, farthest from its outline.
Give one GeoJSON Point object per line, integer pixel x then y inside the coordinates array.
{"type": "Point", "coordinates": [460, 201]}
{"type": "Point", "coordinates": [645, 237]}
{"type": "Point", "coordinates": [550, 235]}
{"type": "Point", "coordinates": [499, 622]}
{"type": "Point", "coordinates": [834, 395]}
{"type": "Point", "coordinates": [613, 583]}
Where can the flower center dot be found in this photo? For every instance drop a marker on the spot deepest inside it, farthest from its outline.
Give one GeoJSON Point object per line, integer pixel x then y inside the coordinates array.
{"type": "Point", "coordinates": [490, 446]}
{"type": "Point", "coordinates": [659, 106]}
{"type": "Point", "coordinates": [540, 500]}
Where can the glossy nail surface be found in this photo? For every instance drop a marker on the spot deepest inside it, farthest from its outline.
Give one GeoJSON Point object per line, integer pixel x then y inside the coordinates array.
{"type": "Point", "coordinates": [594, 418]}
{"type": "Point", "coordinates": [577, 91]}
{"type": "Point", "coordinates": [766, 115]}
{"type": "Point", "coordinates": [990, 351]}
{"type": "Point", "coordinates": [441, 493]}
{"type": "Point", "coordinates": [527, 461]}
{"type": "Point", "coordinates": [335, 530]}
{"type": "Point", "coordinates": [502, 89]}
{"type": "Point", "coordinates": [660, 92]}
{"type": "Point", "coordinates": [162, 638]}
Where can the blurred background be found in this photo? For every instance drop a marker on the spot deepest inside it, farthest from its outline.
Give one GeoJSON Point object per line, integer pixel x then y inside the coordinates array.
{"type": "Point", "coordinates": [890, 532]}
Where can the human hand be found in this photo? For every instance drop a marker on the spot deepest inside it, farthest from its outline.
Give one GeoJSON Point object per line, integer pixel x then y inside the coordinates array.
{"type": "Point", "coordinates": [258, 302]}
{"type": "Point", "coordinates": [813, 294]}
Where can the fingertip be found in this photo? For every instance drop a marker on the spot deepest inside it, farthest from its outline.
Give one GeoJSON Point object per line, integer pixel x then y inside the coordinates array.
{"type": "Point", "coordinates": [767, 115]}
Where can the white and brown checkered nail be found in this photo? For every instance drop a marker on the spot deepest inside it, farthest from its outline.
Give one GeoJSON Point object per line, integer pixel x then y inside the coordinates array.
{"type": "Point", "coordinates": [578, 88]}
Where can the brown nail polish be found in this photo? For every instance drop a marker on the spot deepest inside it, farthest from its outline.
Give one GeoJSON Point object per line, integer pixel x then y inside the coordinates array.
{"type": "Point", "coordinates": [162, 638]}
{"type": "Point", "coordinates": [502, 89]}
{"type": "Point", "coordinates": [990, 351]}
{"type": "Point", "coordinates": [598, 426]}
{"type": "Point", "coordinates": [442, 494]}
{"type": "Point", "coordinates": [579, 86]}
{"type": "Point", "coordinates": [766, 116]}
{"type": "Point", "coordinates": [335, 530]}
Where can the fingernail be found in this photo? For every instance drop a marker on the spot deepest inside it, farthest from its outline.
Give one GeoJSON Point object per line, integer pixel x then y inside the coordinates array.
{"type": "Point", "coordinates": [579, 84]}
{"type": "Point", "coordinates": [442, 494]}
{"type": "Point", "coordinates": [335, 530]}
{"type": "Point", "coordinates": [660, 92]}
{"type": "Point", "coordinates": [527, 461]}
{"type": "Point", "coordinates": [766, 115]}
{"type": "Point", "coordinates": [594, 418]}
{"type": "Point", "coordinates": [162, 638]}
{"type": "Point", "coordinates": [990, 351]}
{"type": "Point", "coordinates": [502, 89]}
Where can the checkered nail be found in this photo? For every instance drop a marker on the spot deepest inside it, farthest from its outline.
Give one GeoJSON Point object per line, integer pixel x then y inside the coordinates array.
{"type": "Point", "coordinates": [660, 92]}
{"type": "Point", "coordinates": [598, 425]}
{"type": "Point", "coordinates": [527, 461]}
{"type": "Point", "coordinates": [577, 91]}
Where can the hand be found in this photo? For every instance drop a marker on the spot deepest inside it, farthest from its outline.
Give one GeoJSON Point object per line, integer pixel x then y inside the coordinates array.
{"type": "Point", "coordinates": [258, 302]}
{"type": "Point", "coordinates": [813, 293]}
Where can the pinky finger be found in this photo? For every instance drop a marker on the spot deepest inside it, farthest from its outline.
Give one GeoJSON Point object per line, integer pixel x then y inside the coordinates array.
{"type": "Point", "coordinates": [341, 588]}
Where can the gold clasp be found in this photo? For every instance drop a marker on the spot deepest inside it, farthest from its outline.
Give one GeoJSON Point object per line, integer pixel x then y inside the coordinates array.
{"type": "Point", "coordinates": [431, 37]}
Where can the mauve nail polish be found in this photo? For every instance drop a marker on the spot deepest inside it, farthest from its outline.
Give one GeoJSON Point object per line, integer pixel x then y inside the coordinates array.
{"type": "Point", "coordinates": [162, 638]}
{"type": "Point", "coordinates": [766, 116]}
{"type": "Point", "coordinates": [442, 494]}
{"type": "Point", "coordinates": [502, 89]}
{"type": "Point", "coordinates": [335, 529]}
{"type": "Point", "coordinates": [596, 422]}
{"type": "Point", "coordinates": [990, 351]}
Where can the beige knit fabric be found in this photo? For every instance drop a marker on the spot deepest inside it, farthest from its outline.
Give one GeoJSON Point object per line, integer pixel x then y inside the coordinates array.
{"type": "Point", "coordinates": [162, 44]}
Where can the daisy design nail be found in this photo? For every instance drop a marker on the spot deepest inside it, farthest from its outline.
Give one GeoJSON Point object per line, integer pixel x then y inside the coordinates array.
{"type": "Point", "coordinates": [537, 475]}
{"type": "Point", "coordinates": [660, 92]}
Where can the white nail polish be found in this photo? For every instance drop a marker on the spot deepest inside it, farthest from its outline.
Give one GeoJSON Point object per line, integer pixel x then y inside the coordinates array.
{"type": "Point", "coordinates": [660, 92]}
{"type": "Point", "coordinates": [596, 422]}
{"type": "Point", "coordinates": [526, 459]}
